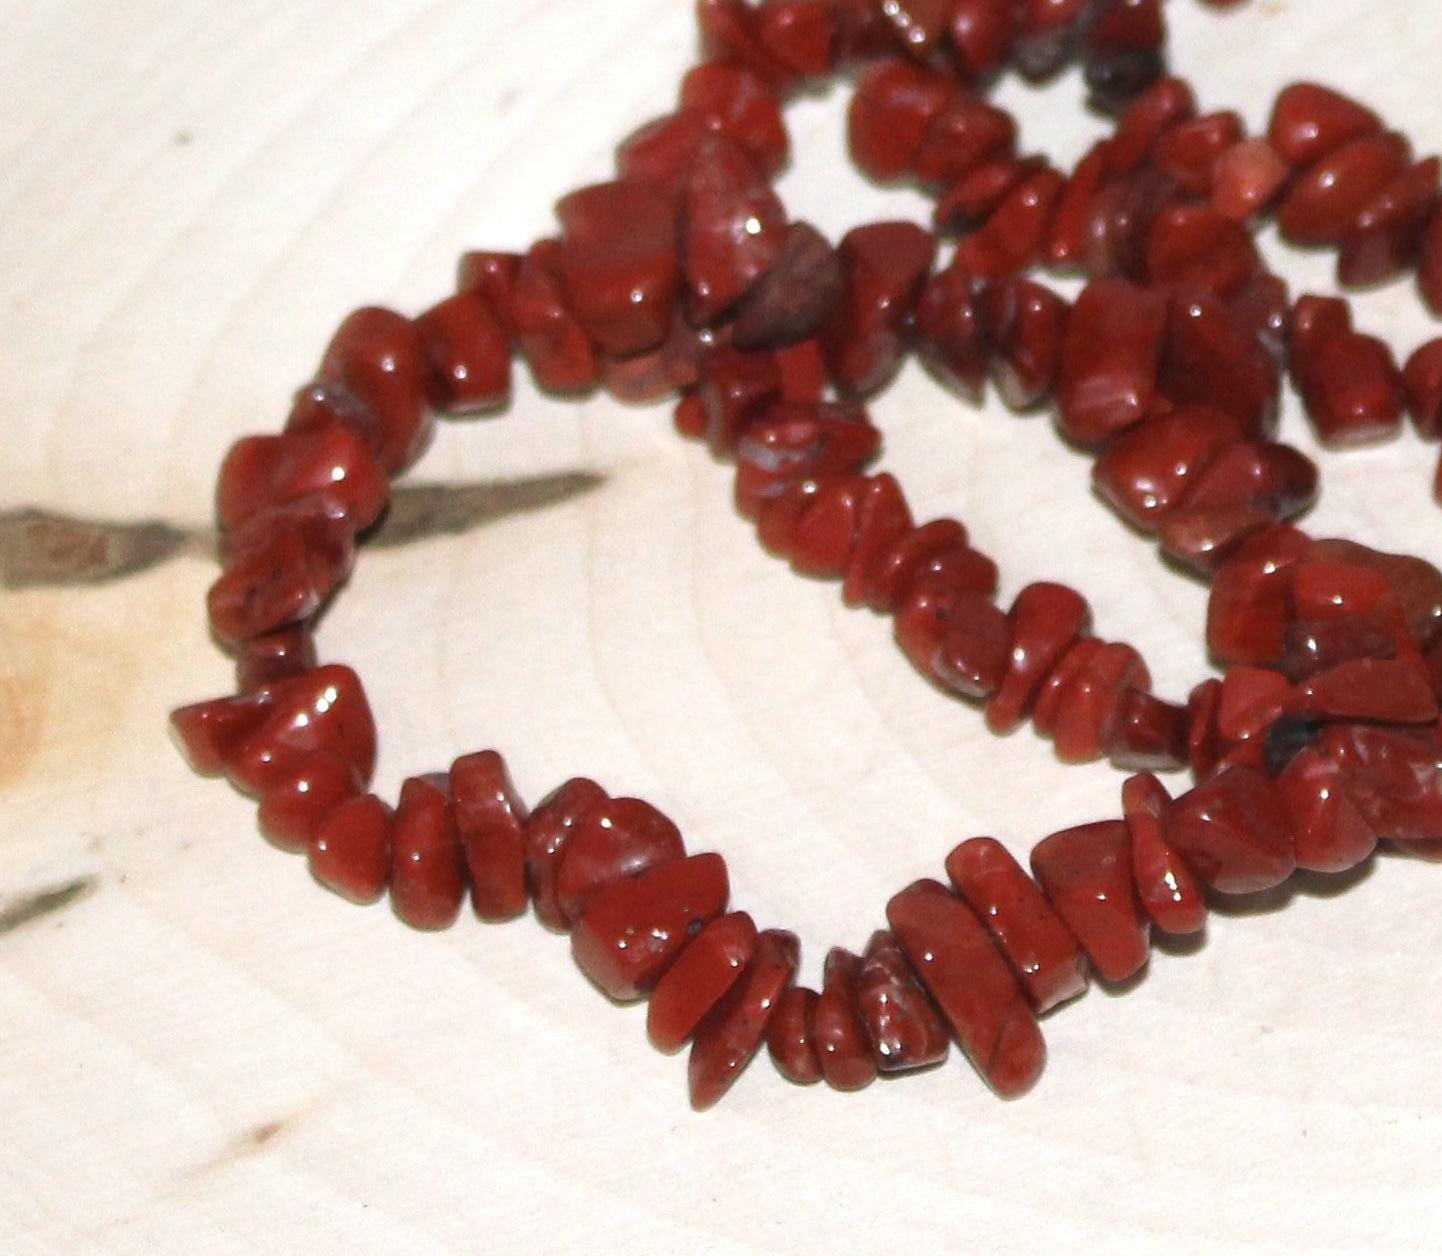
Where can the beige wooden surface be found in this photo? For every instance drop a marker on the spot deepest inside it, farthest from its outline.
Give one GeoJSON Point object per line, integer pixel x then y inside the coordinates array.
{"type": "Point", "coordinates": [200, 1052]}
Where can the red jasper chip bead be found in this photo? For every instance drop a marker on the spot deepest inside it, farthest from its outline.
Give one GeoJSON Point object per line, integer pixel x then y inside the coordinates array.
{"type": "Point", "coordinates": [905, 1030]}
{"type": "Point", "coordinates": [1067, 241]}
{"type": "Point", "coordinates": [262, 473]}
{"type": "Point", "coordinates": [842, 1045]}
{"type": "Point", "coordinates": [1330, 833]}
{"type": "Point", "coordinates": [825, 533]}
{"type": "Point", "coordinates": [1233, 832]}
{"type": "Point", "coordinates": [1151, 734]}
{"type": "Point", "coordinates": [1429, 264]}
{"type": "Point", "coordinates": [468, 350]}
{"type": "Point", "coordinates": [1309, 122]}
{"type": "Point", "coordinates": [1326, 200]}
{"type": "Point", "coordinates": [1171, 894]}
{"type": "Point", "coordinates": [619, 284]}
{"type": "Point", "coordinates": [491, 821]}
{"type": "Point", "coordinates": [939, 600]}
{"type": "Point", "coordinates": [378, 357]}
{"type": "Point", "coordinates": [981, 33]}
{"type": "Point", "coordinates": [1212, 358]}
{"type": "Point", "coordinates": [1249, 606]}
{"type": "Point", "coordinates": [1046, 619]}
{"type": "Point", "coordinates": [1049, 698]}
{"type": "Point", "coordinates": [975, 648]}
{"type": "Point", "coordinates": [792, 441]}
{"type": "Point", "coordinates": [633, 929]}
{"type": "Point", "coordinates": [1089, 716]}
{"type": "Point", "coordinates": [1246, 179]}
{"type": "Point", "coordinates": [740, 106]}
{"type": "Point", "coordinates": [733, 229]}
{"type": "Point", "coordinates": [1352, 389]}
{"type": "Point", "coordinates": [1012, 237]}
{"type": "Point", "coordinates": [548, 832]}
{"type": "Point", "coordinates": [428, 870]}
{"type": "Point", "coordinates": [1086, 874]}
{"type": "Point", "coordinates": [280, 577]}
{"type": "Point", "coordinates": [1110, 359]}
{"type": "Point", "coordinates": [278, 655]}
{"type": "Point", "coordinates": [1198, 246]}
{"type": "Point", "coordinates": [797, 33]}
{"type": "Point", "coordinates": [885, 266]}
{"type": "Point", "coordinates": [731, 1033]}
{"type": "Point", "coordinates": [615, 839]}
{"type": "Point", "coordinates": [709, 966]}
{"type": "Point", "coordinates": [1393, 776]}
{"type": "Point", "coordinates": [1150, 469]}
{"type": "Point", "coordinates": [949, 334]}
{"type": "Point", "coordinates": [1189, 150]}
{"type": "Point", "coordinates": [292, 810]}
{"type": "Point", "coordinates": [1384, 240]}
{"type": "Point", "coordinates": [561, 355]}
{"type": "Point", "coordinates": [1389, 691]}
{"type": "Point", "coordinates": [1422, 378]}
{"type": "Point", "coordinates": [968, 132]}
{"type": "Point", "coordinates": [492, 277]}
{"type": "Point", "coordinates": [882, 521]}
{"type": "Point", "coordinates": [257, 738]}
{"type": "Point", "coordinates": [1040, 948]}
{"type": "Point", "coordinates": [971, 984]}
{"type": "Point", "coordinates": [897, 566]}
{"type": "Point", "coordinates": [789, 1039]}
{"type": "Point", "coordinates": [790, 301]}
{"type": "Point", "coordinates": [1024, 325]}
{"type": "Point", "coordinates": [895, 102]}
{"type": "Point", "coordinates": [351, 850]}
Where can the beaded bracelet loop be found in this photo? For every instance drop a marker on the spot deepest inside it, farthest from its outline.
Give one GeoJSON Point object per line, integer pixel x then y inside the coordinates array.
{"type": "Point", "coordinates": [685, 276]}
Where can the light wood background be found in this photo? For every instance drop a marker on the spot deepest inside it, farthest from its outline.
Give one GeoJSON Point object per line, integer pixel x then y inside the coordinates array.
{"type": "Point", "coordinates": [201, 1053]}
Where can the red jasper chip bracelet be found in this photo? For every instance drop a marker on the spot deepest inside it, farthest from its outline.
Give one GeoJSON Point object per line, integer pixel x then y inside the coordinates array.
{"type": "Point", "coordinates": [684, 275]}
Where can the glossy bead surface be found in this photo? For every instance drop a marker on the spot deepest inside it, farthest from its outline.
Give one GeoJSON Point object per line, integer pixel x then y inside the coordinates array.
{"type": "Point", "coordinates": [562, 357]}
{"type": "Point", "coordinates": [1233, 832]}
{"type": "Point", "coordinates": [548, 831]}
{"type": "Point", "coordinates": [1330, 833]}
{"type": "Point", "coordinates": [632, 930]}
{"type": "Point", "coordinates": [264, 473]}
{"type": "Point", "coordinates": [731, 1033]}
{"type": "Point", "coordinates": [971, 984]}
{"type": "Point", "coordinates": [709, 966]}
{"type": "Point", "coordinates": [1110, 359]}
{"type": "Point", "coordinates": [1172, 896]}
{"type": "Point", "coordinates": [842, 1045]}
{"type": "Point", "coordinates": [789, 1038]}
{"type": "Point", "coordinates": [733, 229]}
{"type": "Point", "coordinates": [428, 878]}
{"type": "Point", "coordinates": [1040, 948]}
{"type": "Point", "coordinates": [323, 711]}
{"type": "Point", "coordinates": [885, 267]}
{"type": "Point", "coordinates": [791, 299]}
{"type": "Point", "coordinates": [351, 850]}
{"type": "Point", "coordinates": [1149, 470]}
{"type": "Point", "coordinates": [904, 1027]}
{"type": "Point", "coordinates": [468, 352]}
{"type": "Point", "coordinates": [378, 356]}
{"type": "Point", "coordinates": [1086, 874]}
{"type": "Point", "coordinates": [294, 807]}
{"type": "Point", "coordinates": [1046, 619]}
{"type": "Point", "coordinates": [1309, 121]}
{"type": "Point", "coordinates": [491, 821]}
{"type": "Point", "coordinates": [614, 840]}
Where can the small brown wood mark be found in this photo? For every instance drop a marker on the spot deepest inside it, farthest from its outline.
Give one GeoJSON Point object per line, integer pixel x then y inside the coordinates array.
{"type": "Point", "coordinates": [41, 549]}
{"type": "Point", "coordinates": [255, 1139]}
{"type": "Point", "coordinates": [418, 511]}
{"type": "Point", "coordinates": [36, 906]}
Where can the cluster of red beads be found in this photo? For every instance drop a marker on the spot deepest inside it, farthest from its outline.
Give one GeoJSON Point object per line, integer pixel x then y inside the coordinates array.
{"type": "Point", "coordinates": [684, 274]}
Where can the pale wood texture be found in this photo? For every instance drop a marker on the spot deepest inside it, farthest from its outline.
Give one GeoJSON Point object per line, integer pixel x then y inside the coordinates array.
{"type": "Point", "coordinates": [201, 1052]}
